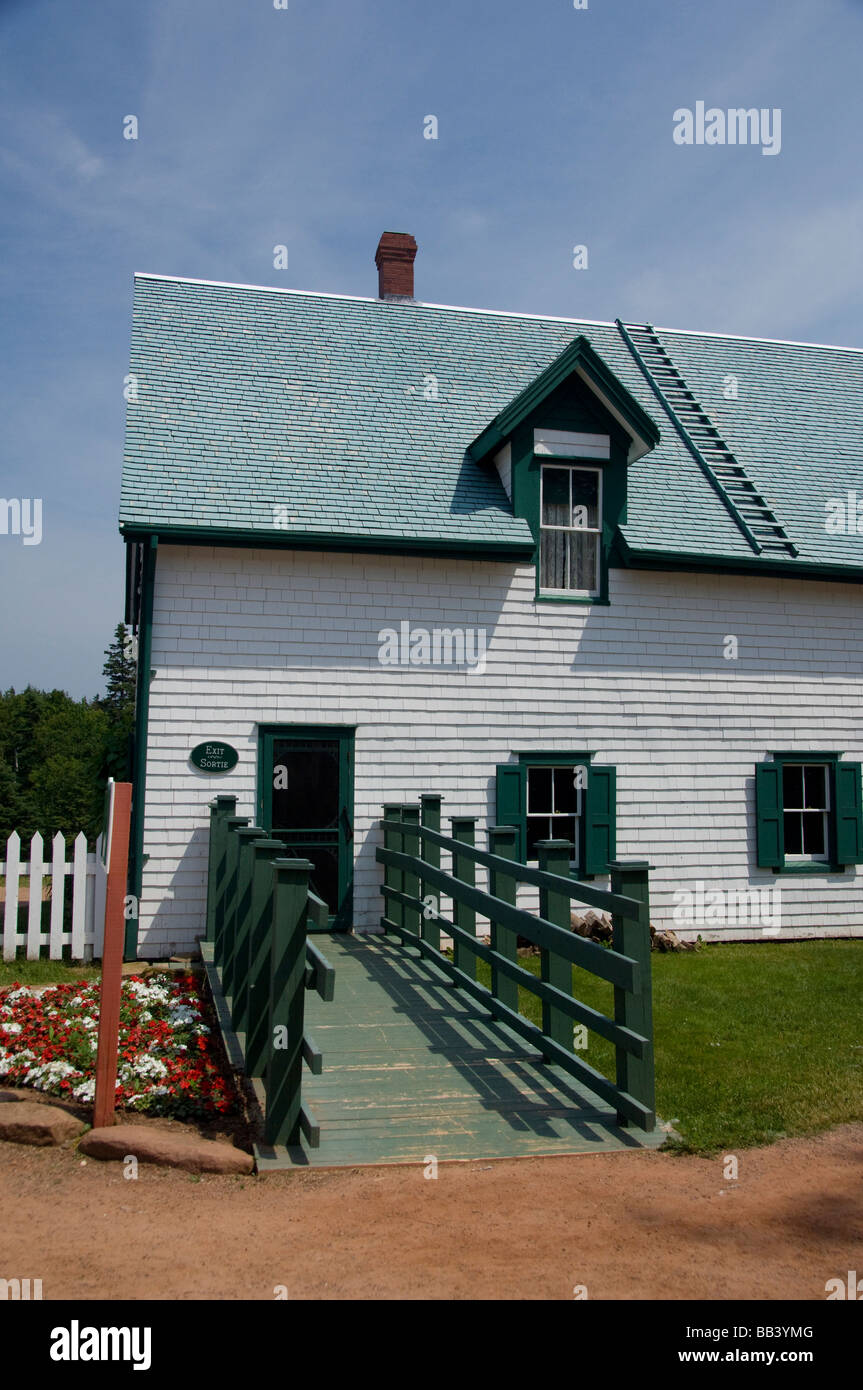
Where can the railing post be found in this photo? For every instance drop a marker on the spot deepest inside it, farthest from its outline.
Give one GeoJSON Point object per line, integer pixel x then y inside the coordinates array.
{"type": "Point", "coordinates": [223, 941]}
{"type": "Point", "coordinates": [554, 858]}
{"type": "Point", "coordinates": [237, 962]}
{"type": "Point", "coordinates": [430, 818]}
{"type": "Point", "coordinates": [412, 916]}
{"type": "Point", "coordinates": [254, 1008]}
{"type": "Point", "coordinates": [284, 1065]}
{"type": "Point", "coordinates": [392, 877]}
{"type": "Point", "coordinates": [634, 1010]}
{"type": "Point", "coordinates": [464, 830]}
{"type": "Point", "coordinates": [220, 809]}
{"type": "Point", "coordinates": [501, 841]}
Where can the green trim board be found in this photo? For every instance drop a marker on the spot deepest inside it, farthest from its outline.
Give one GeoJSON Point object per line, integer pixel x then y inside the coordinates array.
{"type": "Point", "coordinates": [143, 677]}
{"type": "Point", "coordinates": [494, 551]}
{"type": "Point", "coordinates": [631, 557]}
{"type": "Point", "coordinates": [621, 554]}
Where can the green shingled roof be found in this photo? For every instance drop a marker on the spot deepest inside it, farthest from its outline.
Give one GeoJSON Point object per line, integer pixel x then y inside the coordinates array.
{"type": "Point", "coordinates": [255, 399]}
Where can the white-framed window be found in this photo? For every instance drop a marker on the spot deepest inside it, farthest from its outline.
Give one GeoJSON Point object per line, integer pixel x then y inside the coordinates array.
{"type": "Point", "coordinates": [806, 811]}
{"type": "Point", "coordinates": [553, 806]}
{"type": "Point", "coordinates": [570, 530]}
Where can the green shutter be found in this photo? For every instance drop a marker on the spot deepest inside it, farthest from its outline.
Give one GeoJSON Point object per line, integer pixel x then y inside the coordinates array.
{"type": "Point", "coordinates": [849, 818]}
{"type": "Point", "coordinates": [511, 801]}
{"type": "Point", "coordinates": [770, 839]}
{"type": "Point", "coordinates": [600, 819]}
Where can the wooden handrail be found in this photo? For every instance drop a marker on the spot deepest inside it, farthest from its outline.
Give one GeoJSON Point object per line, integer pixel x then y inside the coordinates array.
{"type": "Point", "coordinates": [407, 880]}
{"type": "Point", "coordinates": [593, 897]}
{"type": "Point", "coordinates": [583, 1013]}
{"type": "Point", "coordinates": [617, 969]}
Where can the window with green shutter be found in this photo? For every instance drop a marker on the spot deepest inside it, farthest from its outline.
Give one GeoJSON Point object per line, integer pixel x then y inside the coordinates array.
{"type": "Point", "coordinates": [808, 813]}
{"type": "Point", "coordinates": [560, 796]}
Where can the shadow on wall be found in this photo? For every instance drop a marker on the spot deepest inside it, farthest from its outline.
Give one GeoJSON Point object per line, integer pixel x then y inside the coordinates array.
{"type": "Point", "coordinates": [179, 920]}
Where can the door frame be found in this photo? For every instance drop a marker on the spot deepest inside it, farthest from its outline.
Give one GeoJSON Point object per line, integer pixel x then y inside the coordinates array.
{"type": "Point", "coordinates": [342, 919]}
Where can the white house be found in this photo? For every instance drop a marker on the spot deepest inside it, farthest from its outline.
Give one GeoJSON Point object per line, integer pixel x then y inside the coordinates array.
{"type": "Point", "coordinates": [597, 580]}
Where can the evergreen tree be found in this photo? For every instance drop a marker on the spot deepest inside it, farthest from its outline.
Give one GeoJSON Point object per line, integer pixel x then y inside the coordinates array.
{"type": "Point", "coordinates": [118, 703]}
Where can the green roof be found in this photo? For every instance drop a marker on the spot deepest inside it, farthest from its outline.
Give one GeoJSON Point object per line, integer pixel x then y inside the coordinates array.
{"type": "Point", "coordinates": [252, 399]}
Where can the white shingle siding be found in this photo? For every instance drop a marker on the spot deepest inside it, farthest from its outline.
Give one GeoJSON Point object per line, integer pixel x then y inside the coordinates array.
{"type": "Point", "coordinates": [245, 637]}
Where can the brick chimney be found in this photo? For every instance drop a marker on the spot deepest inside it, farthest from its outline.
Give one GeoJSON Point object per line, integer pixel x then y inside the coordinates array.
{"type": "Point", "coordinates": [394, 259]}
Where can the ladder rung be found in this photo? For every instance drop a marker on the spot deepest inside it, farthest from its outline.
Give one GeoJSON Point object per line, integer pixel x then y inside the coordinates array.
{"type": "Point", "coordinates": [751, 508]}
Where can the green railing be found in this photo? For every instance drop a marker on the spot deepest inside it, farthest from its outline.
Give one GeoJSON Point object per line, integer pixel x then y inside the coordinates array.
{"type": "Point", "coordinates": [260, 963]}
{"type": "Point", "coordinates": [414, 882]}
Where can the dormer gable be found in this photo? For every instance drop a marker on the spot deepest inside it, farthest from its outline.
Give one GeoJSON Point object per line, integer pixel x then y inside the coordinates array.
{"type": "Point", "coordinates": [577, 363]}
{"type": "Point", "coordinates": [562, 448]}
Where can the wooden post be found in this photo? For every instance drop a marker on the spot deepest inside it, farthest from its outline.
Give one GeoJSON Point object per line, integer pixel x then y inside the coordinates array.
{"type": "Point", "coordinates": [223, 941]}
{"type": "Point", "coordinates": [284, 1056]}
{"type": "Point", "coordinates": [220, 809]}
{"type": "Point", "coordinates": [554, 858]}
{"type": "Point", "coordinates": [112, 957]}
{"type": "Point", "coordinates": [393, 878]}
{"type": "Point", "coordinates": [237, 962]}
{"type": "Point", "coordinates": [634, 1010]}
{"type": "Point", "coordinates": [430, 818]}
{"type": "Point", "coordinates": [412, 916]}
{"type": "Point", "coordinates": [464, 830]}
{"type": "Point", "coordinates": [501, 841]}
{"type": "Point", "coordinates": [254, 1014]}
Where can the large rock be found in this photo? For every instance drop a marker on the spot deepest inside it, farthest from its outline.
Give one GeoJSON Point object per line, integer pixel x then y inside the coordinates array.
{"type": "Point", "coordinates": [29, 1122]}
{"type": "Point", "coordinates": [166, 1147]}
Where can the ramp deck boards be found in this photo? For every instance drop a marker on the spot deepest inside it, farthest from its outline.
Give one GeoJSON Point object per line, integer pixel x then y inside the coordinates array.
{"type": "Point", "coordinates": [412, 1067]}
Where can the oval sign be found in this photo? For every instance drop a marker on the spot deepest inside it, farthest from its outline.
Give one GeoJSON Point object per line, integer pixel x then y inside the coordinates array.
{"type": "Point", "coordinates": [214, 756]}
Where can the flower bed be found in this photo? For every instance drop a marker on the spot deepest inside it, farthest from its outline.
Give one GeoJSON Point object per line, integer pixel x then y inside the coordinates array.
{"type": "Point", "coordinates": [169, 1058]}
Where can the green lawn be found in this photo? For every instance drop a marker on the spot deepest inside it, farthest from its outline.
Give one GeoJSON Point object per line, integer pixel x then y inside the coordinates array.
{"type": "Point", "coordinates": [753, 1042]}
{"type": "Point", "coordinates": [44, 972]}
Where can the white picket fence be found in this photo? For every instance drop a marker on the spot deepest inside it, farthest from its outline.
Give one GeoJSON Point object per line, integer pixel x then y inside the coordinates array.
{"type": "Point", "coordinates": [84, 877]}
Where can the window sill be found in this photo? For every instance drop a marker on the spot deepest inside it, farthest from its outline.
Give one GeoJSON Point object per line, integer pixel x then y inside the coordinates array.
{"type": "Point", "coordinates": [822, 868]}
{"type": "Point", "coordinates": [582, 599]}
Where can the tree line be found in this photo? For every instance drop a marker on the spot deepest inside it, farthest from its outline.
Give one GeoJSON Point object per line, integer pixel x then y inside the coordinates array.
{"type": "Point", "coordinates": [57, 753]}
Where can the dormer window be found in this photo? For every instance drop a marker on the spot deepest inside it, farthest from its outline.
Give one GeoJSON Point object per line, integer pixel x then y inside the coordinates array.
{"type": "Point", "coordinates": [561, 449]}
{"type": "Point", "coordinates": [570, 531]}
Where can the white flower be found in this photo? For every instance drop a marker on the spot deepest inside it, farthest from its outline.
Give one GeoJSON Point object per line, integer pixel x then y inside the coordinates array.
{"type": "Point", "coordinates": [181, 1015]}
{"type": "Point", "coordinates": [49, 1073]}
{"type": "Point", "coordinates": [11, 1027]}
{"type": "Point", "coordinates": [142, 1067]}
{"type": "Point", "coordinates": [148, 993]}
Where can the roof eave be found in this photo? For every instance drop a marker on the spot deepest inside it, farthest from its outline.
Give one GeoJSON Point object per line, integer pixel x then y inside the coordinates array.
{"type": "Point", "coordinates": [495, 549]}
{"type": "Point", "coordinates": [635, 557]}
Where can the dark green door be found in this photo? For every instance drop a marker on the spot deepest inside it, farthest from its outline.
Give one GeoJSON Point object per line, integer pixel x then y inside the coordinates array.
{"type": "Point", "coordinates": [305, 799]}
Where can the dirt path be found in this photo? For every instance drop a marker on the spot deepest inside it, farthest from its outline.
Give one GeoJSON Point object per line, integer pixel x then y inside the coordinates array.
{"type": "Point", "coordinates": [640, 1225]}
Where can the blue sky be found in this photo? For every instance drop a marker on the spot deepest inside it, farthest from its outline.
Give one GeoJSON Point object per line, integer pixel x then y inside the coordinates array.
{"type": "Point", "coordinates": [304, 127]}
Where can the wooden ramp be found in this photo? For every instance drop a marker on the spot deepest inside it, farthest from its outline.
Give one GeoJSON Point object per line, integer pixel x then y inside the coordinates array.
{"type": "Point", "coordinates": [413, 1067]}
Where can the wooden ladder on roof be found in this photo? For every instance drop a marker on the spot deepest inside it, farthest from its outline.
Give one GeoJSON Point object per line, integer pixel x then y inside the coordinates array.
{"type": "Point", "coordinates": [750, 510]}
